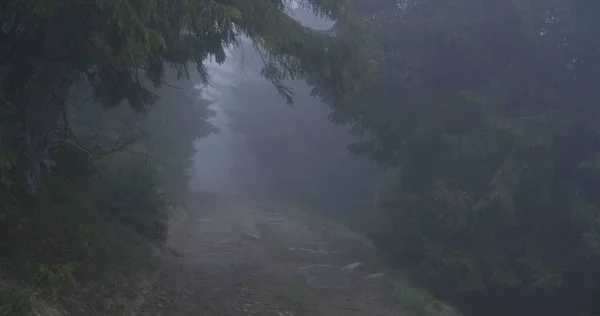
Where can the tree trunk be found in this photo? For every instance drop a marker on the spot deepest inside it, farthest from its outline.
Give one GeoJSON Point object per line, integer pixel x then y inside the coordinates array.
{"type": "Point", "coordinates": [33, 86]}
{"type": "Point", "coordinates": [41, 104]}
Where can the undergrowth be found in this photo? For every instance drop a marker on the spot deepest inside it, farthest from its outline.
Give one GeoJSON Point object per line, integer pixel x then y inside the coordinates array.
{"type": "Point", "coordinates": [413, 298]}
{"type": "Point", "coordinates": [96, 225]}
{"type": "Point", "coordinates": [417, 300]}
{"type": "Point", "coordinates": [14, 300]}
{"type": "Point", "coordinates": [296, 297]}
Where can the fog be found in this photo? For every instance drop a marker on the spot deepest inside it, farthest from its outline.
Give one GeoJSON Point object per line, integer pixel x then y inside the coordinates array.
{"type": "Point", "coordinates": [440, 157]}
{"type": "Point", "coordinates": [458, 142]}
{"type": "Point", "coordinates": [232, 161]}
{"type": "Point", "coordinates": [215, 156]}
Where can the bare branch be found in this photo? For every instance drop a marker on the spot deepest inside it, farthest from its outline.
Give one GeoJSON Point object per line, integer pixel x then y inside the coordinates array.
{"type": "Point", "coordinates": [97, 150]}
{"type": "Point", "coordinates": [172, 86]}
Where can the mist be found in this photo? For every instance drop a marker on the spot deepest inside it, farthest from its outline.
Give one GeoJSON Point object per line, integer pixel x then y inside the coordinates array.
{"type": "Point", "coordinates": [261, 138]}
{"type": "Point", "coordinates": [299, 157]}
{"type": "Point", "coordinates": [215, 156]}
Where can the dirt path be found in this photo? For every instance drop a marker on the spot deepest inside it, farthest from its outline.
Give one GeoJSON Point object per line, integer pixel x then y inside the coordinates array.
{"type": "Point", "coordinates": [233, 258]}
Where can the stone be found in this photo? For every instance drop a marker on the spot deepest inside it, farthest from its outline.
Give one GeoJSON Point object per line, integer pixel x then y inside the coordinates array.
{"type": "Point", "coordinates": [254, 236]}
{"type": "Point", "coordinates": [374, 276]}
{"type": "Point", "coordinates": [325, 277]}
{"type": "Point", "coordinates": [353, 266]}
{"type": "Point", "coordinates": [355, 271]}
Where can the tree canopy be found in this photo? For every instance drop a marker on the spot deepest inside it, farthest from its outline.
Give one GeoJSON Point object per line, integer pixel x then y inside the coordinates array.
{"type": "Point", "coordinates": [86, 200]}
{"type": "Point", "coordinates": [483, 112]}
{"type": "Point", "coordinates": [488, 109]}
{"type": "Point", "coordinates": [112, 45]}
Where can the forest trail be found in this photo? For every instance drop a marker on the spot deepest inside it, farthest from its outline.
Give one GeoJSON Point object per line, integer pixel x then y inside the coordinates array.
{"type": "Point", "coordinates": [232, 257]}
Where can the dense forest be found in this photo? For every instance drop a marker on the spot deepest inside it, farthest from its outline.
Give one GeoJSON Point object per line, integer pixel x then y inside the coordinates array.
{"type": "Point", "coordinates": [487, 110]}
{"type": "Point", "coordinates": [99, 116]}
{"type": "Point", "coordinates": [459, 136]}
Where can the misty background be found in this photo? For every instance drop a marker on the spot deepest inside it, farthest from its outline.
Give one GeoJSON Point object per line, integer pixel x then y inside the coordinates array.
{"type": "Point", "coordinates": [270, 149]}
{"type": "Point", "coordinates": [459, 138]}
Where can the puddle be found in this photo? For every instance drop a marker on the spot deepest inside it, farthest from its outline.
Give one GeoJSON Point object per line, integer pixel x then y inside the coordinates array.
{"type": "Point", "coordinates": [315, 252]}
{"type": "Point", "coordinates": [325, 277]}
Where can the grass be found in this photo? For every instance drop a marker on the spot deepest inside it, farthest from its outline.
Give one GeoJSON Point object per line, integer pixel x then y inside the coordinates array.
{"type": "Point", "coordinates": [15, 299]}
{"type": "Point", "coordinates": [401, 289]}
{"type": "Point", "coordinates": [416, 299]}
{"type": "Point", "coordinates": [296, 297]}
{"type": "Point", "coordinates": [93, 230]}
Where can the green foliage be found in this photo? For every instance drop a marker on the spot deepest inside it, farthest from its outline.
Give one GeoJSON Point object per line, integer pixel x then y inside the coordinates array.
{"type": "Point", "coordinates": [120, 36]}
{"type": "Point", "coordinates": [488, 109]}
{"type": "Point", "coordinates": [57, 277]}
{"type": "Point", "coordinates": [96, 222]}
{"type": "Point", "coordinates": [15, 300]}
{"type": "Point", "coordinates": [166, 132]}
{"type": "Point", "coordinates": [416, 299]}
{"type": "Point", "coordinates": [77, 210]}
{"type": "Point", "coordinates": [296, 297]}
{"type": "Point", "coordinates": [7, 157]}
{"type": "Point", "coordinates": [102, 217]}
{"type": "Point", "coordinates": [122, 48]}
{"type": "Point", "coordinates": [130, 194]}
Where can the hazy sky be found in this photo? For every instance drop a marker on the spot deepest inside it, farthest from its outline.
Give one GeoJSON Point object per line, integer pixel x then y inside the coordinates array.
{"type": "Point", "coordinates": [214, 158]}
{"type": "Point", "coordinates": [215, 155]}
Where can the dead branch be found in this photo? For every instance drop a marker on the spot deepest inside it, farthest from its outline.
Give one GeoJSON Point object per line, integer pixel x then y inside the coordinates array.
{"type": "Point", "coordinates": [97, 150]}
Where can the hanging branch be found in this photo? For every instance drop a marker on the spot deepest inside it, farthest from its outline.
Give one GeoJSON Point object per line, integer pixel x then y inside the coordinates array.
{"type": "Point", "coordinates": [97, 149]}
{"type": "Point", "coordinates": [171, 86]}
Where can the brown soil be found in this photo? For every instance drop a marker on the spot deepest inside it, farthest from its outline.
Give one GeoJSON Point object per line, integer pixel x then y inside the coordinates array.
{"type": "Point", "coordinates": [232, 257]}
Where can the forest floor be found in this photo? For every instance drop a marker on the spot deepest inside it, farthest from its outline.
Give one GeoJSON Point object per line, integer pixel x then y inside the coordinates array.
{"type": "Point", "coordinates": [233, 257]}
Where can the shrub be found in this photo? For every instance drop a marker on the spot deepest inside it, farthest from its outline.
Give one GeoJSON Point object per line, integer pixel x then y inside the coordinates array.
{"type": "Point", "coordinates": [96, 221]}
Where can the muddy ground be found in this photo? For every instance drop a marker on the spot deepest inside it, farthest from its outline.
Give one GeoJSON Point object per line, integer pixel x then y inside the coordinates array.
{"type": "Point", "coordinates": [234, 257]}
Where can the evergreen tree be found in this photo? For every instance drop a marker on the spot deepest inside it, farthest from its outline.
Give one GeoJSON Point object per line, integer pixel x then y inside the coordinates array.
{"type": "Point", "coordinates": [48, 45]}
{"type": "Point", "coordinates": [488, 110]}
